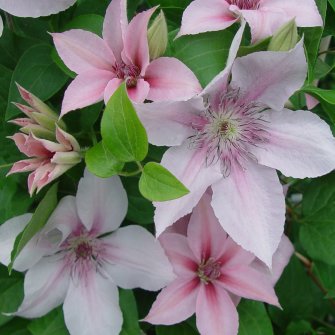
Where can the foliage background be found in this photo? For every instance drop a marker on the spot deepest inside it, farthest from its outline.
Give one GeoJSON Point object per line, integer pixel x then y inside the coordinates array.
{"type": "Point", "coordinates": [307, 288]}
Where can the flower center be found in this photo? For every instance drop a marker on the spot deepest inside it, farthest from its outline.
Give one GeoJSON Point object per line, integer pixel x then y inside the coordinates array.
{"type": "Point", "coordinates": [84, 250]}
{"type": "Point", "coordinates": [129, 73]}
{"type": "Point", "coordinates": [209, 270]}
{"type": "Point", "coordinates": [245, 4]}
{"type": "Point", "coordinates": [230, 131]}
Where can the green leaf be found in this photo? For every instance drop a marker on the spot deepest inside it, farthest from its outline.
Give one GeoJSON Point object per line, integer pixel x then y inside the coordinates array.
{"type": "Point", "coordinates": [332, 3]}
{"type": "Point", "coordinates": [37, 222]}
{"type": "Point", "coordinates": [51, 324]}
{"type": "Point", "coordinates": [253, 319]}
{"type": "Point", "coordinates": [16, 326]}
{"type": "Point", "coordinates": [159, 184]}
{"type": "Point", "coordinates": [121, 130]}
{"type": "Point", "coordinates": [327, 96]}
{"type": "Point", "coordinates": [11, 294]}
{"type": "Point", "coordinates": [89, 22]}
{"type": "Point", "coordinates": [128, 307]}
{"type": "Point", "coordinates": [317, 233]}
{"type": "Point", "coordinates": [205, 54]}
{"type": "Point", "coordinates": [36, 72]}
{"type": "Point", "coordinates": [259, 46]}
{"type": "Point", "coordinates": [140, 210]}
{"type": "Point", "coordinates": [301, 327]}
{"type": "Point", "coordinates": [180, 329]}
{"type": "Point", "coordinates": [101, 162]}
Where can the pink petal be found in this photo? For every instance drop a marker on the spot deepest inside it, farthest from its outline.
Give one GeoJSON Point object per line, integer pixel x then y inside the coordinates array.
{"type": "Point", "coordinates": [264, 22]}
{"type": "Point", "coordinates": [83, 51]}
{"type": "Point", "coordinates": [301, 144]}
{"type": "Point", "coordinates": [115, 25]}
{"type": "Point", "coordinates": [248, 283]}
{"type": "Point", "coordinates": [179, 253]}
{"type": "Point", "coordinates": [136, 259]}
{"type": "Point", "coordinates": [25, 165]}
{"type": "Point", "coordinates": [311, 101]}
{"type": "Point", "coordinates": [170, 123]}
{"type": "Point", "coordinates": [8, 233]}
{"type": "Point", "coordinates": [92, 306]}
{"type": "Point", "coordinates": [101, 203]}
{"type": "Point", "coordinates": [136, 48]}
{"type": "Point", "coordinates": [189, 166]}
{"type": "Point", "coordinates": [67, 140]}
{"type": "Point", "coordinates": [165, 85]}
{"type": "Point", "coordinates": [86, 89]}
{"type": "Point", "coordinates": [280, 259]}
{"type": "Point", "coordinates": [140, 92]}
{"type": "Point", "coordinates": [111, 87]}
{"type": "Point", "coordinates": [35, 8]}
{"type": "Point", "coordinates": [180, 226]}
{"type": "Point", "coordinates": [270, 77]}
{"type": "Point", "coordinates": [250, 206]}
{"type": "Point", "coordinates": [175, 303]}
{"type": "Point", "coordinates": [305, 16]}
{"type": "Point", "coordinates": [30, 146]}
{"type": "Point", "coordinates": [220, 82]}
{"type": "Point", "coordinates": [45, 287]}
{"type": "Point", "coordinates": [205, 235]}
{"type": "Point", "coordinates": [215, 311]}
{"type": "Point", "coordinates": [206, 15]}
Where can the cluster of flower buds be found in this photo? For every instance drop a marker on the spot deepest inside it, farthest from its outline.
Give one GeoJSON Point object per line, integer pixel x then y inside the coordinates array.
{"type": "Point", "coordinates": [51, 150]}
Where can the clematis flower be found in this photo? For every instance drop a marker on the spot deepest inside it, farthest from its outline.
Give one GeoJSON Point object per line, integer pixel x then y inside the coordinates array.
{"type": "Point", "coordinates": [122, 55]}
{"type": "Point", "coordinates": [263, 16]}
{"type": "Point", "coordinates": [33, 8]}
{"type": "Point", "coordinates": [81, 256]}
{"type": "Point", "coordinates": [213, 273]}
{"type": "Point", "coordinates": [47, 159]}
{"type": "Point", "coordinates": [232, 137]}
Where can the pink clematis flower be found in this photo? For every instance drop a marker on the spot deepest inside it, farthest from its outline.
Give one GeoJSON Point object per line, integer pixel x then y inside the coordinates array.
{"type": "Point", "coordinates": [122, 55]}
{"type": "Point", "coordinates": [263, 16]}
{"type": "Point", "coordinates": [33, 8]}
{"type": "Point", "coordinates": [213, 273]}
{"type": "Point", "coordinates": [81, 256]}
{"type": "Point", "coordinates": [48, 159]}
{"type": "Point", "coordinates": [232, 137]}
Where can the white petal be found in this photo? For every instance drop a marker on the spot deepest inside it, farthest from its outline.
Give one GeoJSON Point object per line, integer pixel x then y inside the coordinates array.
{"type": "Point", "coordinates": [45, 287]}
{"type": "Point", "coordinates": [35, 8]}
{"type": "Point", "coordinates": [92, 307]}
{"type": "Point", "coordinates": [102, 203]}
{"type": "Point", "coordinates": [250, 206]}
{"type": "Point", "coordinates": [301, 144]}
{"type": "Point", "coordinates": [136, 259]}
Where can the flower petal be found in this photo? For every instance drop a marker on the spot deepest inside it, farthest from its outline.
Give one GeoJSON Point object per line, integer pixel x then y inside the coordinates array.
{"type": "Point", "coordinates": [250, 206]}
{"type": "Point", "coordinates": [140, 92]}
{"type": "Point", "coordinates": [189, 166]}
{"type": "Point", "coordinates": [30, 146]}
{"type": "Point", "coordinates": [305, 16]}
{"type": "Point", "coordinates": [45, 287]}
{"type": "Point", "coordinates": [215, 311]}
{"type": "Point", "coordinates": [82, 51]}
{"type": "Point", "coordinates": [136, 48]}
{"type": "Point", "coordinates": [270, 77]}
{"type": "Point", "coordinates": [35, 8]}
{"type": "Point", "coordinates": [111, 87]}
{"type": "Point", "coordinates": [115, 25]}
{"type": "Point", "coordinates": [206, 15]}
{"type": "Point", "coordinates": [247, 282]}
{"type": "Point", "coordinates": [92, 306]}
{"type": "Point", "coordinates": [300, 144]}
{"type": "Point", "coordinates": [8, 233]}
{"type": "Point", "coordinates": [1, 26]}
{"type": "Point", "coordinates": [165, 85]}
{"type": "Point", "coordinates": [170, 123]}
{"type": "Point", "coordinates": [136, 259]}
{"type": "Point", "coordinates": [205, 235]}
{"type": "Point", "coordinates": [102, 203]}
{"type": "Point", "coordinates": [175, 303]}
{"type": "Point", "coordinates": [86, 89]}
{"type": "Point", "coordinates": [179, 253]}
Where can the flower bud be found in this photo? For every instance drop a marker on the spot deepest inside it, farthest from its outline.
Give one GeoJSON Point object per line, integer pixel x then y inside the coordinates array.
{"type": "Point", "coordinates": [158, 36]}
{"type": "Point", "coordinates": [285, 38]}
{"type": "Point", "coordinates": [69, 157]}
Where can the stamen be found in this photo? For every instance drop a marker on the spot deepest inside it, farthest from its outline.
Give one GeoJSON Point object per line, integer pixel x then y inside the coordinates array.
{"type": "Point", "coordinates": [245, 4]}
{"type": "Point", "coordinates": [209, 270]}
{"type": "Point", "coordinates": [128, 72]}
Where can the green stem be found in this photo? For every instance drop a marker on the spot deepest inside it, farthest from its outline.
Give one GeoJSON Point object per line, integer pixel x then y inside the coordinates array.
{"type": "Point", "coordinates": [6, 165]}
{"type": "Point", "coordinates": [329, 52]}
{"type": "Point", "coordinates": [94, 137]}
{"type": "Point", "coordinates": [140, 166]}
{"type": "Point", "coordinates": [130, 174]}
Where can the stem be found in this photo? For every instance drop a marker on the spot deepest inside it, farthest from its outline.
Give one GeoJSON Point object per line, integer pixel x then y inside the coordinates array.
{"type": "Point", "coordinates": [130, 174]}
{"type": "Point", "coordinates": [329, 52]}
{"type": "Point", "coordinates": [94, 137]}
{"type": "Point", "coordinates": [309, 265]}
{"type": "Point", "coordinates": [140, 166]}
{"type": "Point", "coordinates": [6, 165]}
